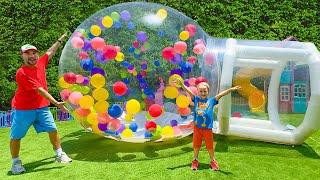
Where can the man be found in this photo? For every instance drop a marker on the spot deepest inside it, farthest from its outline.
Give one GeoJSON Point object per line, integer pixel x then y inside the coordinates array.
{"type": "Point", "coordinates": [30, 103]}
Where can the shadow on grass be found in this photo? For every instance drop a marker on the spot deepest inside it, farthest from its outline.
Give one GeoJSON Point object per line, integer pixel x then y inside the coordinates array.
{"type": "Point", "coordinates": [202, 166]}
{"type": "Point", "coordinates": [238, 145]}
{"type": "Point", "coordinates": [36, 166]}
{"type": "Point", "coordinates": [85, 146]}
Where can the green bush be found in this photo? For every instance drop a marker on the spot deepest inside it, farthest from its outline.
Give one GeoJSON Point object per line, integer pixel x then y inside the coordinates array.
{"type": "Point", "coordinates": [42, 22]}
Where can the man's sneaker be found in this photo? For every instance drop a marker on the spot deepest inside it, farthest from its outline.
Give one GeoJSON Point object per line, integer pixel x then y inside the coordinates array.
{"type": "Point", "coordinates": [17, 167]}
{"type": "Point", "coordinates": [63, 158]}
{"type": "Point", "coordinates": [195, 165]}
{"type": "Point", "coordinates": [214, 165]}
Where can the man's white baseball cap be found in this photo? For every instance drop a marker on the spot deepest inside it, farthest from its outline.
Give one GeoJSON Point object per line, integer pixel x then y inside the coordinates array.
{"type": "Point", "coordinates": [28, 47]}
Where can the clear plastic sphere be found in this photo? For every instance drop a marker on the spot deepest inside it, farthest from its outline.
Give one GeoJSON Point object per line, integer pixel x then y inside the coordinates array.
{"type": "Point", "coordinates": [126, 58]}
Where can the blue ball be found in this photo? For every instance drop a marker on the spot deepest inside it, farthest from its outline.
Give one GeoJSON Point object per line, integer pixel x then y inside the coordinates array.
{"type": "Point", "coordinates": [117, 24]}
{"type": "Point", "coordinates": [147, 135]}
{"type": "Point", "coordinates": [115, 111]}
{"type": "Point", "coordinates": [133, 126]}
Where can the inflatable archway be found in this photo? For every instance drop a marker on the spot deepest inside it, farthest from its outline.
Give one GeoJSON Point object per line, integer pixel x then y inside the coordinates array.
{"type": "Point", "coordinates": [118, 68]}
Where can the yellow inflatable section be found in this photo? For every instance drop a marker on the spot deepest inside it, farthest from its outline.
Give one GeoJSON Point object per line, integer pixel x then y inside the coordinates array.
{"type": "Point", "coordinates": [256, 97]}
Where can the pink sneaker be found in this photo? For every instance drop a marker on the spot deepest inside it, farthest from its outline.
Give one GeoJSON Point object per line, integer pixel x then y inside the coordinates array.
{"type": "Point", "coordinates": [214, 165]}
{"type": "Point", "coordinates": [194, 165]}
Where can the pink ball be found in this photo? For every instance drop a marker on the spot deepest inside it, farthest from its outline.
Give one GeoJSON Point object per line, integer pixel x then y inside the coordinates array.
{"type": "Point", "coordinates": [75, 97]}
{"type": "Point", "coordinates": [78, 34]}
{"type": "Point", "coordinates": [70, 77]}
{"type": "Point", "coordinates": [118, 48]}
{"type": "Point", "coordinates": [177, 131]}
{"type": "Point", "coordinates": [83, 55]}
{"type": "Point", "coordinates": [97, 43]}
{"type": "Point", "coordinates": [192, 81]}
{"type": "Point", "coordinates": [114, 124]}
{"type": "Point", "coordinates": [65, 93]}
{"type": "Point", "coordinates": [209, 58]}
{"type": "Point", "coordinates": [192, 29]}
{"type": "Point", "coordinates": [77, 42]}
{"type": "Point", "coordinates": [168, 53]}
{"type": "Point", "coordinates": [180, 47]}
{"type": "Point", "coordinates": [201, 79]}
{"type": "Point", "coordinates": [192, 59]}
{"type": "Point", "coordinates": [79, 79]}
{"type": "Point", "coordinates": [199, 41]}
{"type": "Point", "coordinates": [110, 52]}
{"type": "Point", "coordinates": [199, 49]}
{"type": "Point", "coordinates": [194, 90]}
{"type": "Point", "coordinates": [120, 88]}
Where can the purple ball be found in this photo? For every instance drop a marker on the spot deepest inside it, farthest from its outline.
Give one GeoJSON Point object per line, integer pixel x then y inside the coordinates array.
{"type": "Point", "coordinates": [102, 127]}
{"type": "Point", "coordinates": [87, 45]}
{"type": "Point", "coordinates": [122, 127]}
{"type": "Point", "coordinates": [97, 70]}
{"type": "Point", "coordinates": [176, 71]}
{"type": "Point", "coordinates": [130, 67]}
{"type": "Point", "coordinates": [173, 122]}
{"type": "Point", "coordinates": [144, 66]}
{"type": "Point", "coordinates": [186, 82]}
{"type": "Point", "coordinates": [142, 36]}
{"type": "Point", "coordinates": [98, 55]}
{"type": "Point", "coordinates": [125, 15]}
{"type": "Point", "coordinates": [85, 81]}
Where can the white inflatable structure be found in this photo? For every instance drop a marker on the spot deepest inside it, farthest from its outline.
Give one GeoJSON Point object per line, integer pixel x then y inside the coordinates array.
{"type": "Point", "coordinates": [262, 56]}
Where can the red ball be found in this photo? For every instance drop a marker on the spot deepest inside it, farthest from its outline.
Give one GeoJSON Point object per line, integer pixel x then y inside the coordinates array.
{"type": "Point", "coordinates": [110, 52]}
{"type": "Point", "coordinates": [168, 53]}
{"type": "Point", "coordinates": [150, 126]}
{"type": "Point", "coordinates": [70, 77]}
{"type": "Point", "coordinates": [200, 80]}
{"type": "Point", "coordinates": [155, 110]}
{"type": "Point", "coordinates": [120, 88]}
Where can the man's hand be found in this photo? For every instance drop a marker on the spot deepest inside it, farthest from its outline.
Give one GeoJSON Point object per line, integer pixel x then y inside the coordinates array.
{"type": "Point", "coordinates": [61, 106]}
{"type": "Point", "coordinates": [63, 37]}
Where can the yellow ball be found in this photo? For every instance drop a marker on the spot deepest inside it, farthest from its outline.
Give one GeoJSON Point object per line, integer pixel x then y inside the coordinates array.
{"type": "Point", "coordinates": [62, 83]}
{"type": "Point", "coordinates": [119, 57]}
{"type": "Point", "coordinates": [128, 117]}
{"type": "Point", "coordinates": [101, 106]}
{"type": "Point", "coordinates": [171, 92]}
{"type": "Point", "coordinates": [162, 13]}
{"type": "Point", "coordinates": [86, 102]}
{"type": "Point", "coordinates": [100, 94]}
{"type": "Point", "coordinates": [107, 22]}
{"type": "Point", "coordinates": [167, 131]}
{"type": "Point", "coordinates": [95, 30]}
{"type": "Point", "coordinates": [182, 101]}
{"type": "Point", "coordinates": [184, 35]}
{"type": "Point", "coordinates": [92, 118]}
{"type": "Point", "coordinates": [127, 133]}
{"type": "Point", "coordinates": [97, 81]}
{"type": "Point", "coordinates": [133, 106]}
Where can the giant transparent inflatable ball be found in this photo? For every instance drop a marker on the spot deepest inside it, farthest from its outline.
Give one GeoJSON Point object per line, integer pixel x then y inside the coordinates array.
{"type": "Point", "coordinates": [120, 69]}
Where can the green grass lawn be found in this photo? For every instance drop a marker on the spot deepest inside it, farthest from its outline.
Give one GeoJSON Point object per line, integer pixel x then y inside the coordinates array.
{"type": "Point", "coordinates": [98, 158]}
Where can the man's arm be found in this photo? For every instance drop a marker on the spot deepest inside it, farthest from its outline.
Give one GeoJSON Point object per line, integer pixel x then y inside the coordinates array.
{"type": "Point", "coordinates": [52, 50]}
{"type": "Point", "coordinates": [48, 96]}
{"type": "Point", "coordinates": [225, 92]}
